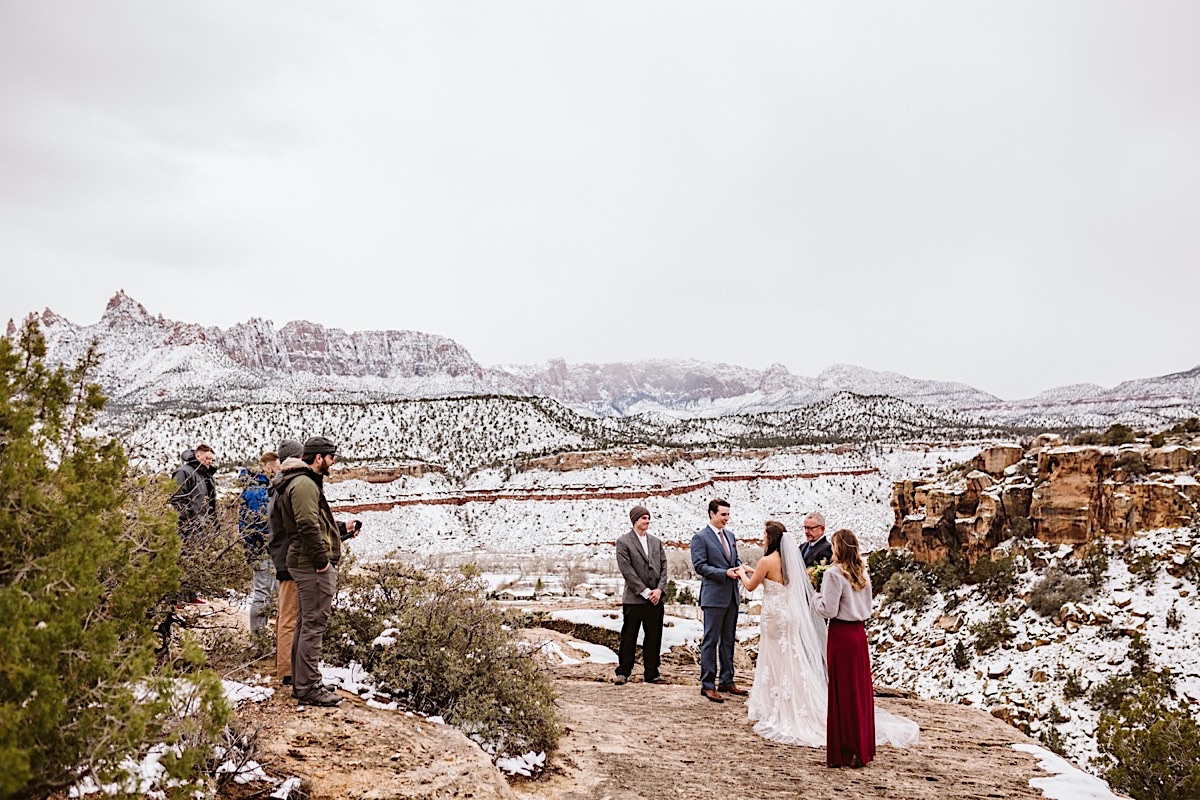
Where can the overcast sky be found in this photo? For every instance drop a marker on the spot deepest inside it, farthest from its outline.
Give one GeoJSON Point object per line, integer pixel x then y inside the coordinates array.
{"type": "Point", "coordinates": [1006, 194]}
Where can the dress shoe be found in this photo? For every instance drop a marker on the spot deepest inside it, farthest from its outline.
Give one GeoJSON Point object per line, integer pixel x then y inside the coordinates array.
{"type": "Point", "coordinates": [712, 695]}
{"type": "Point", "coordinates": [620, 680]}
{"type": "Point", "coordinates": [656, 680]}
{"type": "Point", "coordinates": [729, 688]}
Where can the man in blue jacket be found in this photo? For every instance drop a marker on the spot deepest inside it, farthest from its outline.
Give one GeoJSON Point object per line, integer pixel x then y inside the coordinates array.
{"type": "Point", "coordinates": [715, 559]}
{"type": "Point", "coordinates": [253, 517]}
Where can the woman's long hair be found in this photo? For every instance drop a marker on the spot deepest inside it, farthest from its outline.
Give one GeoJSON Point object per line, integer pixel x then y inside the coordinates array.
{"type": "Point", "coordinates": [775, 531]}
{"type": "Point", "coordinates": [848, 559]}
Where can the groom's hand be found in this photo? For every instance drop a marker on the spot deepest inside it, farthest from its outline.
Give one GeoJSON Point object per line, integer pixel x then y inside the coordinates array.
{"type": "Point", "coordinates": [731, 573]}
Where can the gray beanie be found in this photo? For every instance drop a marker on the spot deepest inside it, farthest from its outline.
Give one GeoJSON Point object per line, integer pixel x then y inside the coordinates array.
{"type": "Point", "coordinates": [637, 512]}
{"type": "Point", "coordinates": [289, 448]}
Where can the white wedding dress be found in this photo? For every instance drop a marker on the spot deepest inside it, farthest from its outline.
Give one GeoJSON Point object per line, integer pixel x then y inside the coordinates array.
{"type": "Point", "coordinates": [789, 699]}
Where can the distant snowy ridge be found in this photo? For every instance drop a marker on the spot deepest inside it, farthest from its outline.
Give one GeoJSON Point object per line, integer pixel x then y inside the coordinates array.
{"type": "Point", "coordinates": [153, 360]}
{"type": "Point", "coordinates": [466, 434]}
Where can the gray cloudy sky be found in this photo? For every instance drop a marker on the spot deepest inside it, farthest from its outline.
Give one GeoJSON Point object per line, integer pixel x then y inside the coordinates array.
{"type": "Point", "coordinates": [1006, 194]}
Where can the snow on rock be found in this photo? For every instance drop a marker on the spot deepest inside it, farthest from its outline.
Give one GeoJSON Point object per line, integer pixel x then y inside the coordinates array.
{"type": "Point", "coordinates": [1067, 782]}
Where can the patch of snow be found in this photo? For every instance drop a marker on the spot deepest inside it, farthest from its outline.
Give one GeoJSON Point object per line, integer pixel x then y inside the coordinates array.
{"type": "Point", "coordinates": [1067, 782]}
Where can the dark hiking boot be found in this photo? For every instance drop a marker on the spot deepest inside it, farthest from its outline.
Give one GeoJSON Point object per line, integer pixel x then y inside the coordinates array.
{"type": "Point", "coordinates": [318, 697]}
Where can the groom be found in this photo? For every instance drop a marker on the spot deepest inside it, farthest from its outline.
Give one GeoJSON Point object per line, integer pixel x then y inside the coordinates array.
{"type": "Point", "coordinates": [715, 559]}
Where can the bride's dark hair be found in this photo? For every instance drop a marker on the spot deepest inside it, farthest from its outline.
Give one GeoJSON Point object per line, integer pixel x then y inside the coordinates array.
{"type": "Point", "coordinates": [775, 531]}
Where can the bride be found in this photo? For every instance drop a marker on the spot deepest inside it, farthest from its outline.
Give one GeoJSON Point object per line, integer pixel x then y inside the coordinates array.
{"type": "Point", "coordinates": [788, 702]}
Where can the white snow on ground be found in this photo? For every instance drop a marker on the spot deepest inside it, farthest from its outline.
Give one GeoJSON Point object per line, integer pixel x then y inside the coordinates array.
{"type": "Point", "coordinates": [1041, 653]}
{"type": "Point", "coordinates": [525, 765]}
{"type": "Point", "coordinates": [238, 693]}
{"type": "Point", "coordinates": [676, 630]}
{"type": "Point", "coordinates": [597, 653]}
{"type": "Point", "coordinates": [1067, 781]}
{"type": "Point", "coordinates": [519, 522]}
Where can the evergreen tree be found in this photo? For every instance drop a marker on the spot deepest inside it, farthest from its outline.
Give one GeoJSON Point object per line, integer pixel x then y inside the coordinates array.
{"type": "Point", "coordinates": [87, 556]}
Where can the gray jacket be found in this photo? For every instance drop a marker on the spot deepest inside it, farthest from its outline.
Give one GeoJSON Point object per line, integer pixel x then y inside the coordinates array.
{"type": "Point", "coordinates": [639, 571]}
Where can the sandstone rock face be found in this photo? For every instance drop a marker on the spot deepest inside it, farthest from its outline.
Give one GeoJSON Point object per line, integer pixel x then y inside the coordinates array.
{"type": "Point", "coordinates": [1080, 494]}
{"type": "Point", "coordinates": [995, 460]}
{"type": "Point", "coordinates": [1175, 458]}
{"type": "Point", "coordinates": [1067, 504]}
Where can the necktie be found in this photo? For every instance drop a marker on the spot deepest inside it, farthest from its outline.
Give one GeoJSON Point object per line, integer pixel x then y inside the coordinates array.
{"type": "Point", "coordinates": [724, 545]}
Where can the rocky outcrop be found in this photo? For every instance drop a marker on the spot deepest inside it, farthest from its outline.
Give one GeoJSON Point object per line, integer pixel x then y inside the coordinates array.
{"type": "Point", "coordinates": [994, 460]}
{"type": "Point", "coordinates": [1073, 495]}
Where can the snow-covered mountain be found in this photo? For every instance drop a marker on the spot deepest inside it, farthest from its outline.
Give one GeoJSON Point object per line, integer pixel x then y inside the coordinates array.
{"type": "Point", "coordinates": [153, 361]}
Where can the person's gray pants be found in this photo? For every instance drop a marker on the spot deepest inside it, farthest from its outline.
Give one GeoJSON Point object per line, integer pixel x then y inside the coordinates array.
{"type": "Point", "coordinates": [262, 586]}
{"type": "Point", "coordinates": [314, 591]}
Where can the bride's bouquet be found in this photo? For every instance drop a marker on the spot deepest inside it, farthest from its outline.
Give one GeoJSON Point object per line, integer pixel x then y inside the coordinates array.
{"type": "Point", "coordinates": [815, 574]}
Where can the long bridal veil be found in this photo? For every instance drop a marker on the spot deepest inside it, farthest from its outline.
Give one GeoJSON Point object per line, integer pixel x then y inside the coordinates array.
{"type": "Point", "coordinates": [811, 630]}
{"type": "Point", "coordinates": [789, 698]}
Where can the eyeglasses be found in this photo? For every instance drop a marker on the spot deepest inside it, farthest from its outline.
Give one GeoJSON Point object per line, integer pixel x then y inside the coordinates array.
{"type": "Point", "coordinates": [813, 527]}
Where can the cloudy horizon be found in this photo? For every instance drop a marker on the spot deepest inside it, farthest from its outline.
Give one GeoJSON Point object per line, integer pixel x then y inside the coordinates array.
{"type": "Point", "coordinates": [1003, 196]}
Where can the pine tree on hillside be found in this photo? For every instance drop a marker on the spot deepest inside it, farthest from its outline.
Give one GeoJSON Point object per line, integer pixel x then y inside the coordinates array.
{"type": "Point", "coordinates": [87, 553]}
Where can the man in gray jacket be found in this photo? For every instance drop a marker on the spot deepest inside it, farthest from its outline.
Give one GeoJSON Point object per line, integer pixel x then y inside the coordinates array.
{"type": "Point", "coordinates": [643, 564]}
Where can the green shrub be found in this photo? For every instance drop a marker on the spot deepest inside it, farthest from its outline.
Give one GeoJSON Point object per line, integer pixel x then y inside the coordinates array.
{"type": "Point", "coordinates": [882, 564]}
{"type": "Point", "coordinates": [1096, 560]}
{"type": "Point", "coordinates": [1118, 434]}
{"type": "Point", "coordinates": [995, 577]}
{"type": "Point", "coordinates": [907, 589]}
{"type": "Point", "coordinates": [1144, 566]}
{"type": "Point", "coordinates": [1158, 440]}
{"type": "Point", "coordinates": [1148, 748]}
{"type": "Point", "coordinates": [451, 654]}
{"type": "Point", "coordinates": [670, 592]}
{"type": "Point", "coordinates": [946, 575]}
{"type": "Point", "coordinates": [1054, 590]}
{"type": "Point", "coordinates": [1073, 687]}
{"type": "Point", "coordinates": [1020, 528]}
{"type": "Point", "coordinates": [1131, 463]}
{"type": "Point", "coordinates": [1053, 740]}
{"type": "Point", "coordinates": [1088, 437]}
{"type": "Point", "coordinates": [961, 655]}
{"type": "Point", "coordinates": [993, 631]}
{"type": "Point", "coordinates": [88, 561]}
{"type": "Point", "coordinates": [1110, 693]}
{"type": "Point", "coordinates": [1172, 618]}
{"type": "Point", "coordinates": [685, 596]}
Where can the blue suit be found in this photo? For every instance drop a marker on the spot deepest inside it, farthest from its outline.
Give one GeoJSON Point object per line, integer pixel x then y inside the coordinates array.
{"type": "Point", "coordinates": [719, 597]}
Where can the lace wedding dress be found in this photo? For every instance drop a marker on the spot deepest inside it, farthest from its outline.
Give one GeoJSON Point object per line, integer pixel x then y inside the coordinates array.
{"type": "Point", "coordinates": [789, 699]}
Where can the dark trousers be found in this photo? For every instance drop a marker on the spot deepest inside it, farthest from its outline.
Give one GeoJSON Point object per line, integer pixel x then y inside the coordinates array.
{"type": "Point", "coordinates": [649, 618]}
{"type": "Point", "coordinates": [720, 629]}
{"type": "Point", "coordinates": [314, 593]}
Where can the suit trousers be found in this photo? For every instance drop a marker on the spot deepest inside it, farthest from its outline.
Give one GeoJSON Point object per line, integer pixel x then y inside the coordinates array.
{"type": "Point", "coordinates": [285, 628]}
{"type": "Point", "coordinates": [314, 590]}
{"type": "Point", "coordinates": [720, 629]}
{"type": "Point", "coordinates": [649, 618]}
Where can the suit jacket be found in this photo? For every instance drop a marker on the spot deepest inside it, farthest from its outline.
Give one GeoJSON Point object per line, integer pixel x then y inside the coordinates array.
{"type": "Point", "coordinates": [821, 551]}
{"type": "Point", "coordinates": [639, 570]}
{"type": "Point", "coordinates": [717, 590]}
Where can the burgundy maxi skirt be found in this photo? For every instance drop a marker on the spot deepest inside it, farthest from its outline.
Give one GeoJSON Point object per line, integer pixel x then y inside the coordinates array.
{"type": "Point", "coordinates": [850, 737]}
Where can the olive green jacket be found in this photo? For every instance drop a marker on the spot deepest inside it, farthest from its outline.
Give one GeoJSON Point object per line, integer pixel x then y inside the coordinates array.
{"type": "Point", "coordinates": [303, 515]}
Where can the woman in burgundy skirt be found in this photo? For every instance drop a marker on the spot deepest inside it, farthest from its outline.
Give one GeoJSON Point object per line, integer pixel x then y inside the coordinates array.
{"type": "Point", "coordinates": [845, 600]}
